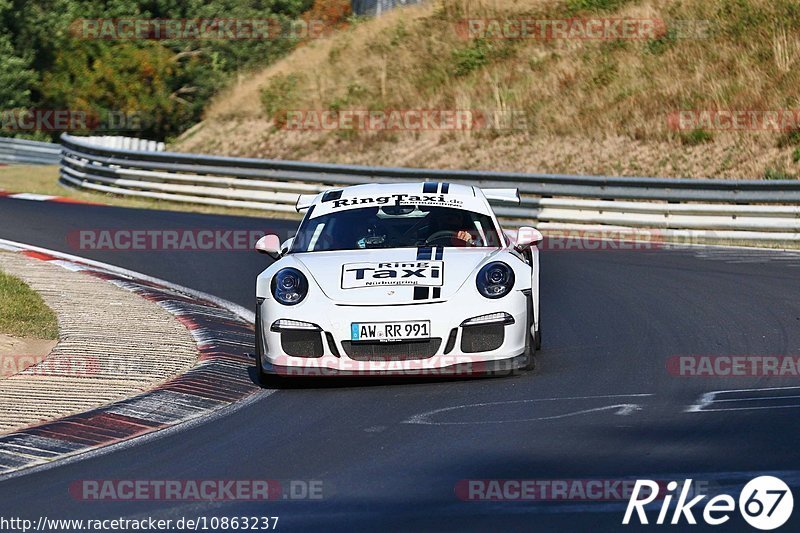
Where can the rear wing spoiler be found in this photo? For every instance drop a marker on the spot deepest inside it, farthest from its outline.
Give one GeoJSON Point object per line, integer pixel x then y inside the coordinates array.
{"type": "Point", "coordinates": [502, 195]}
{"type": "Point", "coordinates": [304, 201]}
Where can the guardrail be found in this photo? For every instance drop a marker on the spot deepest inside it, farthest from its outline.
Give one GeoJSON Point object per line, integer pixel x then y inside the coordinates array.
{"type": "Point", "coordinates": [125, 143]}
{"type": "Point", "coordinates": [31, 152]}
{"type": "Point", "coordinates": [740, 210]}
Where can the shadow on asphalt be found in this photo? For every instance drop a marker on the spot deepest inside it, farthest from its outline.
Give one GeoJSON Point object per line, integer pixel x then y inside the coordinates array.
{"type": "Point", "coordinates": [335, 382]}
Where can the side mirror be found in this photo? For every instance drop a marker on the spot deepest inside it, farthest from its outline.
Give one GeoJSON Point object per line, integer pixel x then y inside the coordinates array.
{"type": "Point", "coordinates": [527, 237]}
{"type": "Point", "coordinates": [287, 245]}
{"type": "Point", "coordinates": [270, 245]}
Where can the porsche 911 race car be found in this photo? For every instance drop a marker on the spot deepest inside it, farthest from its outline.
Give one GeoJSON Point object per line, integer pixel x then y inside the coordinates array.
{"type": "Point", "coordinates": [409, 279]}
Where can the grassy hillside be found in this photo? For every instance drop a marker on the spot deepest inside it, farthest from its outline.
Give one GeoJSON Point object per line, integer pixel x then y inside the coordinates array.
{"type": "Point", "coordinates": [589, 106]}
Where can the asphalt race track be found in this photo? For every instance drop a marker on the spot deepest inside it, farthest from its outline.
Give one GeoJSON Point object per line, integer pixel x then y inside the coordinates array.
{"type": "Point", "coordinates": [600, 405]}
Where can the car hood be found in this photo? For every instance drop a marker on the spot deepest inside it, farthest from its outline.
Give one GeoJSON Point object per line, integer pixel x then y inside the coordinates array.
{"type": "Point", "coordinates": [391, 276]}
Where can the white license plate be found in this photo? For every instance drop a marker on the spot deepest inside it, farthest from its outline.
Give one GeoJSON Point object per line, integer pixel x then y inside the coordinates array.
{"type": "Point", "coordinates": [390, 331]}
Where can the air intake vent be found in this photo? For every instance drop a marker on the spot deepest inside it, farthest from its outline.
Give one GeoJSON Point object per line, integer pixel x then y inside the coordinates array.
{"type": "Point", "coordinates": [299, 343]}
{"type": "Point", "coordinates": [482, 338]}
{"type": "Point", "coordinates": [392, 351]}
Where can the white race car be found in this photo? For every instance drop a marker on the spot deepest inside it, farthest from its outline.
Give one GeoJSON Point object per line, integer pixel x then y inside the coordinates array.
{"type": "Point", "coordinates": [399, 279]}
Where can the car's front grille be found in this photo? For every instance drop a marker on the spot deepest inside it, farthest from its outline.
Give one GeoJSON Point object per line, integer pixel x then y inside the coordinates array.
{"type": "Point", "coordinates": [391, 351]}
{"type": "Point", "coordinates": [300, 343]}
{"type": "Point", "coordinates": [482, 338]}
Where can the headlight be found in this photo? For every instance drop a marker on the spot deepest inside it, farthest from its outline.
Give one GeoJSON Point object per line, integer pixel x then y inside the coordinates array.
{"type": "Point", "coordinates": [495, 280]}
{"type": "Point", "coordinates": [289, 286]}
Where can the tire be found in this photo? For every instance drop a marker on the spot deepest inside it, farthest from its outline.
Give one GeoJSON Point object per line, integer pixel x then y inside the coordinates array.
{"type": "Point", "coordinates": [538, 336]}
{"type": "Point", "coordinates": [261, 376]}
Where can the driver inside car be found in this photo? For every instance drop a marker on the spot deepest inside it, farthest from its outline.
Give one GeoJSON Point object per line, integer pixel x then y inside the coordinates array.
{"type": "Point", "coordinates": [452, 220]}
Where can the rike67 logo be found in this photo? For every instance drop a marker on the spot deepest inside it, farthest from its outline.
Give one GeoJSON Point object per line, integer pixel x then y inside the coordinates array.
{"type": "Point", "coordinates": [765, 503]}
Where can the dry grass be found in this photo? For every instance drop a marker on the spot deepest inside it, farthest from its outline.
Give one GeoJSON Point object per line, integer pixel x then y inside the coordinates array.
{"type": "Point", "coordinates": [590, 106]}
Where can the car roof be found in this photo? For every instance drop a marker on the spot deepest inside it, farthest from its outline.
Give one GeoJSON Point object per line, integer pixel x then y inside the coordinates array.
{"type": "Point", "coordinates": [432, 193]}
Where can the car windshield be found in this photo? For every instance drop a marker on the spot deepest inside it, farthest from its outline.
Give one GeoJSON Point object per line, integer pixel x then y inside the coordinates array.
{"type": "Point", "coordinates": [405, 226]}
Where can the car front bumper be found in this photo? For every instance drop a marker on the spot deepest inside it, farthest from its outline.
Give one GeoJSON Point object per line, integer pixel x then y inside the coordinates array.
{"type": "Point", "coordinates": [454, 348]}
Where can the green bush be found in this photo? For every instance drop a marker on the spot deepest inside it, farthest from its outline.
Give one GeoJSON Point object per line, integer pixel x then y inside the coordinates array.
{"type": "Point", "coordinates": [777, 174]}
{"type": "Point", "coordinates": [696, 137]}
{"type": "Point", "coordinates": [279, 94]}
{"type": "Point", "coordinates": [47, 62]}
{"type": "Point", "coordinates": [595, 5]}
{"type": "Point", "coordinates": [471, 58]}
{"type": "Point", "coordinates": [789, 138]}
{"type": "Point", "coordinates": [480, 53]}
